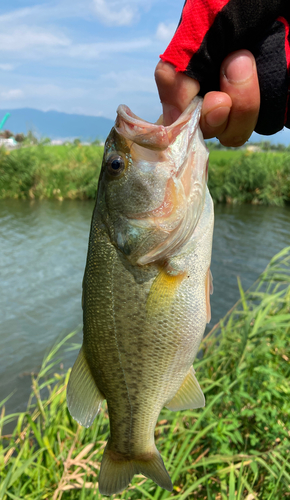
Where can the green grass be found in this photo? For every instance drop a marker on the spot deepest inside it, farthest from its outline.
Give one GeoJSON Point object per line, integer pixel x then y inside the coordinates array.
{"type": "Point", "coordinates": [50, 172]}
{"type": "Point", "coordinates": [236, 448]}
{"type": "Point", "coordinates": [72, 171]}
{"type": "Point", "coordinates": [245, 177]}
{"type": "Point", "coordinates": [225, 155]}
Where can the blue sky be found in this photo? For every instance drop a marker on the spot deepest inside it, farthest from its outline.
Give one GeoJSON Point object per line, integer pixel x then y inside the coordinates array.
{"type": "Point", "coordinates": [86, 56]}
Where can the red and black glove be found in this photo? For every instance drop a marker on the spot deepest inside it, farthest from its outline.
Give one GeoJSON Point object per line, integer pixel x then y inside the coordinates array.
{"type": "Point", "coordinates": [209, 30]}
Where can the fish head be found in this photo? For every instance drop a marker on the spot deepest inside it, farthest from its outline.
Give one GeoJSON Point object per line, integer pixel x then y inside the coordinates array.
{"type": "Point", "coordinates": [152, 184]}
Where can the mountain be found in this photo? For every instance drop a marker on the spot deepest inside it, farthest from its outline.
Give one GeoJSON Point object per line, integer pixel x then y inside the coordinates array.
{"type": "Point", "coordinates": [56, 125]}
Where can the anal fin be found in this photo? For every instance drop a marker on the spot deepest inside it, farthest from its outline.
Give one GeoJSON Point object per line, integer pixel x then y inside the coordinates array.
{"type": "Point", "coordinates": [189, 395]}
{"type": "Point", "coordinates": [83, 396]}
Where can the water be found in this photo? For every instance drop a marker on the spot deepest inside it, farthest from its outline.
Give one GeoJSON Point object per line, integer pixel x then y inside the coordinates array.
{"type": "Point", "coordinates": [43, 249]}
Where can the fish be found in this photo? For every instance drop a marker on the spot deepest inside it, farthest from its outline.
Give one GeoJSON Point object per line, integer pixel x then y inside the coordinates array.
{"type": "Point", "coordinates": [146, 290]}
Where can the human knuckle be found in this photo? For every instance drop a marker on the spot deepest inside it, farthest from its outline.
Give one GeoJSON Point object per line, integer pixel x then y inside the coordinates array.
{"type": "Point", "coordinates": [233, 141]}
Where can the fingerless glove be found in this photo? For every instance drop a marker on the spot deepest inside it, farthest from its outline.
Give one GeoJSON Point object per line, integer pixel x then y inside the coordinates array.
{"type": "Point", "coordinates": [209, 30]}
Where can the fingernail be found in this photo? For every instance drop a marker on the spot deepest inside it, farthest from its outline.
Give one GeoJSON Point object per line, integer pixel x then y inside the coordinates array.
{"type": "Point", "coordinates": [239, 69]}
{"type": "Point", "coordinates": [170, 114]}
{"type": "Point", "coordinates": [217, 117]}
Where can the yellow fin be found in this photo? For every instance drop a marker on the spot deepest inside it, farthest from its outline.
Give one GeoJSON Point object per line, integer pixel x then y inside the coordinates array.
{"type": "Point", "coordinates": [189, 396]}
{"type": "Point", "coordinates": [83, 397]}
{"type": "Point", "coordinates": [117, 471]}
{"type": "Point", "coordinates": [162, 292]}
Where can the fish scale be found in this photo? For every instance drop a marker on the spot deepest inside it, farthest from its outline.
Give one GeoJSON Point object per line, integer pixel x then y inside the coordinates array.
{"type": "Point", "coordinates": [143, 323]}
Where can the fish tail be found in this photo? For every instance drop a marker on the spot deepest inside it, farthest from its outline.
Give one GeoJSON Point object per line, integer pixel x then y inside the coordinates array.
{"type": "Point", "coordinates": [154, 469]}
{"type": "Point", "coordinates": [117, 471]}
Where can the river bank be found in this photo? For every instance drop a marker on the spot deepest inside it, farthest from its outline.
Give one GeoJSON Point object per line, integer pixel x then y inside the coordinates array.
{"type": "Point", "coordinates": [237, 447]}
{"type": "Point", "coordinates": [72, 171]}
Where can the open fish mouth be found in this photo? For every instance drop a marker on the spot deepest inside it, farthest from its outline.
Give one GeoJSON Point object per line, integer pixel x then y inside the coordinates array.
{"type": "Point", "coordinates": [180, 210]}
{"type": "Point", "coordinates": [155, 135]}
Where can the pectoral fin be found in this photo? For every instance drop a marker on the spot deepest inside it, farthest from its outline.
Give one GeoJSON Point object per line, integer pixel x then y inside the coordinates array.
{"type": "Point", "coordinates": [83, 397]}
{"type": "Point", "coordinates": [162, 292]}
{"type": "Point", "coordinates": [189, 396]}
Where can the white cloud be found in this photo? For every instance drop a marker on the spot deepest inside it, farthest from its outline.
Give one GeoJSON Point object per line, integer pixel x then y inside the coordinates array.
{"type": "Point", "coordinates": [26, 37]}
{"type": "Point", "coordinates": [129, 81]}
{"type": "Point", "coordinates": [165, 31]}
{"type": "Point", "coordinates": [80, 110]}
{"type": "Point", "coordinates": [95, 50]}
{"type": "Point", "coordinates": [7, 95]}
{"type": "Point", "coordinates": [16, 15]}
{"type": "Point", "coordinates": [54, 91]}
{"type": "Point", "coordinates": [52, 10]}
{"type": "Point", "coordinates": [32, 33]}
{"type": "Point", "coordinates": [112, 13]}
{"type": "Point", "coordinates": [68, 59]}
{"type": "Point", "coordinates": [32, 43]}
{"type": "Point", "coordinates": [118, 12]}
{"type": "Point", "coordinates": [109, 12]}
{"type": "Point", "coordinates": [42, 91]}
{"type": "Point", "coordinates": [6, 67]}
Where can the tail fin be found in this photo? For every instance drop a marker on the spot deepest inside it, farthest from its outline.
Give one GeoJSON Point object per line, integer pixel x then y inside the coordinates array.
{"type": "Point", "coordinates": [117, 473]}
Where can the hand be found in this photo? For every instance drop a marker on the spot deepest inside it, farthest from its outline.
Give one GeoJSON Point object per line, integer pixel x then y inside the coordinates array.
{"type": "Point", "coordinates": [231, 114]}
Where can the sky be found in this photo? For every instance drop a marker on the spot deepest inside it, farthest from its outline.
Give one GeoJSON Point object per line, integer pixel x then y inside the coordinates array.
{"type": "Point", "coordinates": [86, 56]}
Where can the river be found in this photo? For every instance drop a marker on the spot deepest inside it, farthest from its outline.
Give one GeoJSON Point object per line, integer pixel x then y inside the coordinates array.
{"type": "Point", "coordinates": [43, 247]}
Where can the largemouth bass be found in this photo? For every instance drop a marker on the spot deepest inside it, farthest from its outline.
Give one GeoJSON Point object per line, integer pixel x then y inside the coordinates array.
{"type": "Point", "coordinates": [146, 290]}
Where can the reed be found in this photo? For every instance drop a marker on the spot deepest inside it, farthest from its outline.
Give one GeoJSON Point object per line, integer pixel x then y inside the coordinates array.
{"type": "Point", "coordinates": [72, 171]}
{"type": "Point", "coordinates": [245, 177]}
{"type": "Point", "coordinates": [69, 171]}
{"type": "Point", "coordinates": [236, 448]}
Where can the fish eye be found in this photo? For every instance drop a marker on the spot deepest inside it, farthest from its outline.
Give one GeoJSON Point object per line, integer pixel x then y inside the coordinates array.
{"type": "Point", "coordinates": [115, 165]}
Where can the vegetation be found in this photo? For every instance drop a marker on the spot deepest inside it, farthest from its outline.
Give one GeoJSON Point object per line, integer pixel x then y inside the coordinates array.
{"type": "Point", "coordinates": [260, 146]}
{"type": "Point", "coordinates": [72, 170]}
{"type": "Point", "coordinates": [31, 139]}
{"type": "Point", "coordinates": [236, 448]}
{"type": "Point", "coordinates": [42, 171]}
{"type": "Point", "coordinates": [249, 177]}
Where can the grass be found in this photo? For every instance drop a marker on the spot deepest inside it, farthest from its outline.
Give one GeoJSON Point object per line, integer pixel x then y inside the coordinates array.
{"type": "Point", "coordinates": [246, 177]}
{"type": "Point", "coordinates": [59, 172]}
{"type": "Point", "coordinates": [236, 448]}
{"type": "Point", "coordinates": [224, 156]}
{"type": "Point", "coordinates": [72, 171]}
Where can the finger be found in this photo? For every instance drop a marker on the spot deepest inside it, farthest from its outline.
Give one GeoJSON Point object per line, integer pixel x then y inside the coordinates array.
{"type": "Point", "coordinates": [176, 91]}
{"type": "Point", "coordinates": [215, 114]}
{"type": "Point", "coordinates": [239, 80]}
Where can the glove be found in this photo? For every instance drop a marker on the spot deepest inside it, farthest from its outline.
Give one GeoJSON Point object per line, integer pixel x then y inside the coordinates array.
{"type": "Point", "coordinates": [211, 29]}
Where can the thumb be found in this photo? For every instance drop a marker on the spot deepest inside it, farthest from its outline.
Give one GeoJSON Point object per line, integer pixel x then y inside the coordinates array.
{"type": "Point", "coordinates": [176, 91]}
